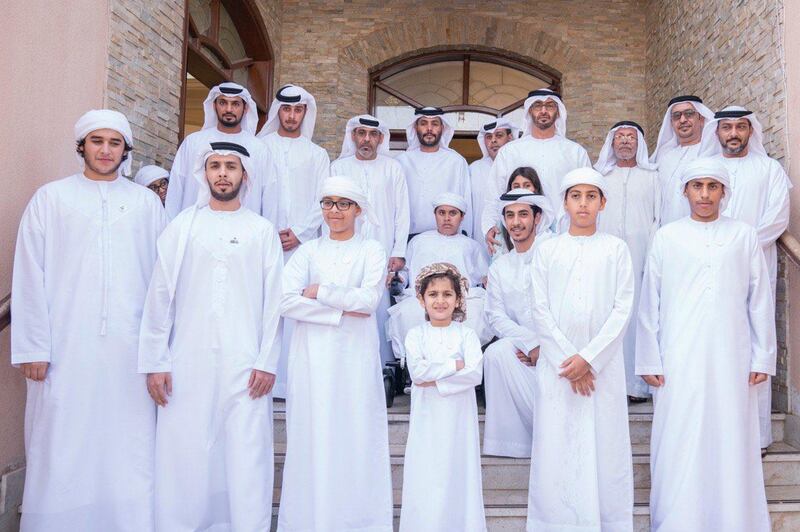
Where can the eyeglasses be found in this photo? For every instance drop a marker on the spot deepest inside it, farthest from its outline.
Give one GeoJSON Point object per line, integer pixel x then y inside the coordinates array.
{"type": "Point", "coordinates": [341, 205]}
{"type": "Point", "coordinates": [626, 138]}
{"type": "Point", "coordinates": [688, 114]}
{"type": "Point", "coordinates": [159, 186]}
{"type": "Point", "coordinates": [549, 106]}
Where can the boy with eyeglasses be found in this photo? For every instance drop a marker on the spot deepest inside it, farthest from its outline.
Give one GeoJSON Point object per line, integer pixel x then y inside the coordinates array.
{"type": "Point", "coordinates": [337, 474]}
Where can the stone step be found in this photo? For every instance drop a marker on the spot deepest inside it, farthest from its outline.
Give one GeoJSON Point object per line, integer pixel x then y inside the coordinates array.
{"type": "Point", "coordinates": [640, 427]}
{"type": "Point", "coordinates": [784, 509]}
{"type": "Point", "coordinates": [507, 477]}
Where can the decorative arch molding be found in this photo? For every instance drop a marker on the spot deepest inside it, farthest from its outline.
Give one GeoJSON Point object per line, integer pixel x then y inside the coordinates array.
{"type": "Point", "coordinates": [527, 42]}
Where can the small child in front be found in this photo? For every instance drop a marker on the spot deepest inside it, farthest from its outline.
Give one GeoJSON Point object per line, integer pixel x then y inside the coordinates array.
{"type": "Point", "coordinates": [442, 487]}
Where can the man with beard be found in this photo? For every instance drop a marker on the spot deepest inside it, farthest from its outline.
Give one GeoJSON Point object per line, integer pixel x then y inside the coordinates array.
{"type": "Point", "coordinates": [632, 214]}
{"type": "Point", "coordinates": [678, 144]}
{"type": "Point", "coordinates": [209, 344]}
{"type": "Point", "coordinates": [230, 116]}
{"type": "Point", "coordinates": [300, 167]}
{"type": "Point", "coordinates": [365, 158]}
{"type": "Point", "coordinates": [85, 250]}
{"type": "Point", "coordinates": [491, 137]}
{"type": "Point", "coordinates": [432, 168]}
{"type": "Point", "coordinates": [543, 146]}
{"type": "Point", "coordinates": [508, 366]}
{"type": "Point", "coordinates": [760, 197]}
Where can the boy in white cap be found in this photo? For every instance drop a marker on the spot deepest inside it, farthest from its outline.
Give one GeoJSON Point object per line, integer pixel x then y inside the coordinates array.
{"type": "Point", "coordinates": [705, 342]}
{"type": "Point", "coordinates": [155, 178]}
{"type": "Point", "coordinates": [448, 244]}
{"type": "Point", "coordinates": [581, 471]}
{"type": "Point", "coordinates": [337, 474]}
{"type": "Point", "coordinates": [85, 251]}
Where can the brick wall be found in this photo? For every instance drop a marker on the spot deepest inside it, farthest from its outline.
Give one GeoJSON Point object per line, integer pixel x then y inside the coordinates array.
{"type": "Point", "coordinates": [144, 74]}
{"type": "Point", "coordinates": [730, 56]}
{"type": "Point", "coordinates": [599, 47]}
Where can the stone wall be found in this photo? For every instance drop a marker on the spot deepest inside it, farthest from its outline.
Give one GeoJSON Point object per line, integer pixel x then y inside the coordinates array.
{"type": "Point", "coordinates": [728, 52]}
{"type": "Point", "coordinates": [599, 47]}
{"type": "Point", "coordinates": [145, 56]}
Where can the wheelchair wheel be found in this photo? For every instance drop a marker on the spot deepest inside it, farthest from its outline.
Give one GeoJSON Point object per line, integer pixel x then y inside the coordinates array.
{"type": "Point", "coordinates": [388, 389]}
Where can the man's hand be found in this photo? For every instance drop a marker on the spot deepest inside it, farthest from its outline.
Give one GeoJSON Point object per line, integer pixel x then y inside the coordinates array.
{"type": "Point", "coordinates": [459, 364]}
{"type": "Point", "coordinates": [490, 240]}
{"type": "Point", "coordinates": [311, 291]}
{"type": "Point", "coordinates": [757, 378]}
{"type": "Point", "coordinates": [35, 371]}
{"type": "Point", "coordinates": [657, 381]}
{"type": "Point", "coordinates": [159, 386]}
{"type": "Point", "coordinates": [574, 367]}
{"type": "Point", "coordinates": [260, 384]}
{"type": "Point", "coordinates": [354, 314]}
{"type": "Point", "coordinates": [396, 264]}
{"type": "Point", "coordinates": [583, 385]}
{"type": "Point", "coordinates": [525, 359]}
{"type": "Point", "coordinates": [427, 384]}
{"type": "Point", "coordinates": [288, 240]}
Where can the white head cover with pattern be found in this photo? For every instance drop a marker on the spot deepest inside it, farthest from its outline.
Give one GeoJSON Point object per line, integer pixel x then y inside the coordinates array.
{"type": "Point", "coordinates": [709, 167]}
{"type": "Point", "coordinates": [523, 195]}
{"type": "Point", "coordinates": [667, 139]}
{"type": "Point", "coordinates": [541, 95]}
{"type": "Point", "coordinates": [347, 187]}
{"type": "Point", "coordinates": [366, 121]}
{"type": "Point", "coordinates": [231, 90]}
{"type": "Point", "coordinates": [291, 95]}
{"type": "Point", "coordinates": [411, 131]}
{"type": "Point", "coordinates": [583, 176]}
{"type": "Point", "coordinates": [220, 148]}
{"type": "Point", "coordinates": [450, 199]}
{"type": "Point", "coordinates": [491, 127]}
{"type": "Point", "coordinates": [105, 119]}
{"type": "Point", "coordinates": [150, 173]}
{"type": "Point", "coordinates": [710, 144]}
{"type": "Point", "coordinates": [608, 159]}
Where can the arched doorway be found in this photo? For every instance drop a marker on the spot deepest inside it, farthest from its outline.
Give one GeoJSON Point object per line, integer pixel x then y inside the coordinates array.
{"type": "Point", "coordinates": [470, 86]}
{"type": "Point", "coordinates": [225, 40]}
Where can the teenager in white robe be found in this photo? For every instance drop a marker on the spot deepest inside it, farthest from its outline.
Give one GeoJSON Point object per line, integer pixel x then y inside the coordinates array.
{"type": "Point", "coordinates": [210, 344]}
{"type": "Point", "coordinates": [760, 197]}
{"type": "Point", "coordinates": [544, 147]}
{"type": "Point", "coordinates": [633, 203]}
{"type": "Point", "coordinates": [581, 470]}
{"type": "Point", "coordinates": [231, 115]}
{"type": "Point", "coordinates": [491, 137]}
{"type": "Point", "coordinates": [155, 178]}
{"type": "Point", "coordinates": [431, 167]}
{"type": "Point", "coordinates": [85, 251]}
{"type": "Point", "coordinates": [442, 487]}
{"type": "Point", "coordinates": [337, 474]}
{"type": "Point", "coordinates": [445, 244]}
{"type": "Point", "coordinates": [509, 373]}
{"type": "Point", "coordinates": [300, 167]}
{"type": "Point", "coordinates": [705, 336]}
{"type": "Point", "coordinates": [678, 144]}
{"type": "Point", "coordinates": [365, 157]}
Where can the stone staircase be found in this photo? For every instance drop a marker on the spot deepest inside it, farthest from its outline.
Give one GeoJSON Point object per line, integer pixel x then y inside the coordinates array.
{"type": "Point", "coordinates": [505, 480]}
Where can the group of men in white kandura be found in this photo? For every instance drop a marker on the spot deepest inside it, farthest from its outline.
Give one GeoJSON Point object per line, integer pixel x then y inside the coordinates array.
{"type": "Point", "coordinates": [266, 277]}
